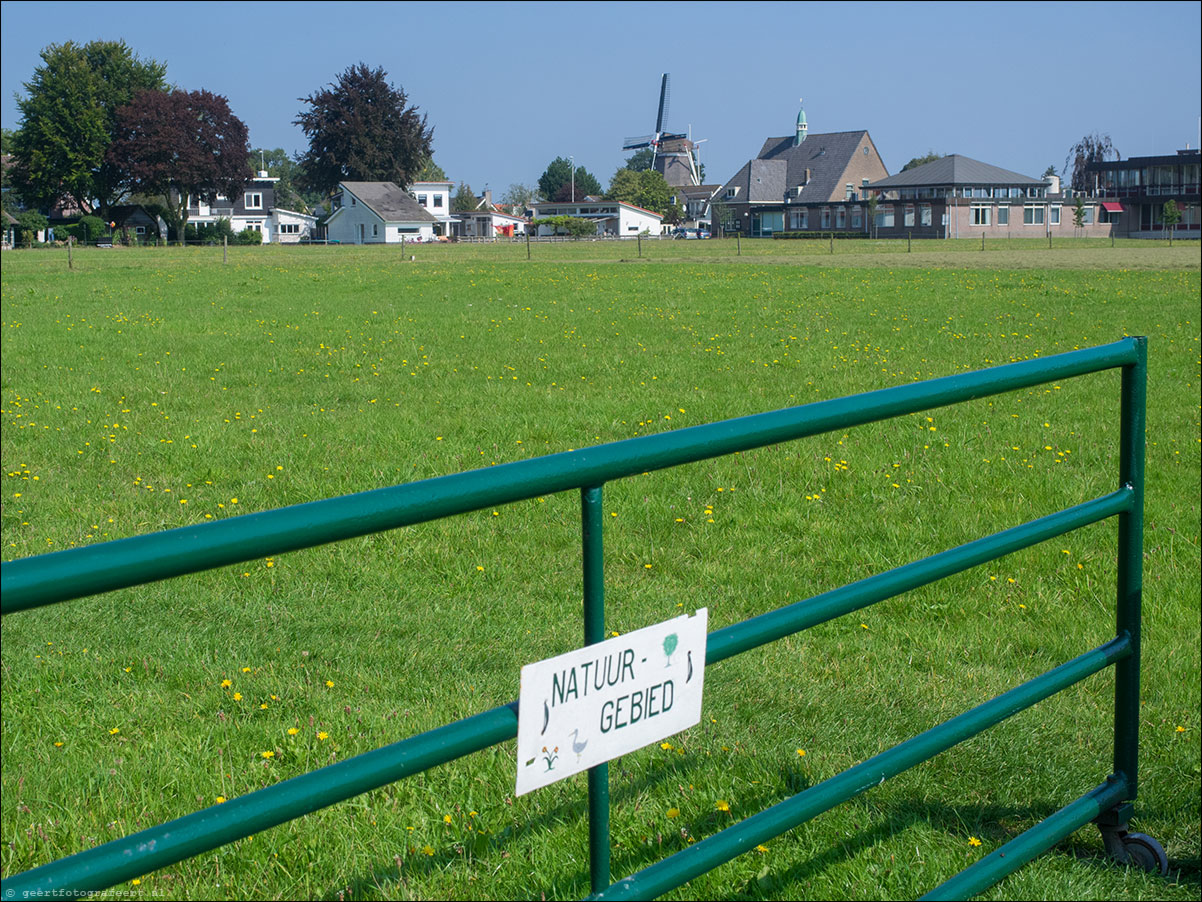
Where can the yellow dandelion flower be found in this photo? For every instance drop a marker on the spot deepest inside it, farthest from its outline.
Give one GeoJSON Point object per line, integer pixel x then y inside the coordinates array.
{"type": "Point", "coordinates": [225, 684]}
{"type": "Point", "coordinates": [329, 684]}
{"type": "Point", "coordinates": [446, 818]}
{"type": "Point", "coordinates": [673, 812]}
{"type": "Point", "coordinates": [114, 731]}
{"type": "Point", "coordinates": [323, 735]}
{"type": "Point", "coordinates": [801, 753]}
{"type": "Point", "coordinates": [237, 696]}
{"type": "Point", "coordinates": [292, 731]}
{"type": "Point", "coordinates": [267, 754]}
{"type": "Point", "coordinates": [973, 841]}
{"type": "Point", "coordinates": [220, 799]}
{"type": "Point", "coordinates": [426, 850]}
{"type": "Point", "coordinates": [722, 805]}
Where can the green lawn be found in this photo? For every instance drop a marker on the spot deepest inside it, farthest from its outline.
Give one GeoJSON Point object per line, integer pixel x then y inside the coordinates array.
{"type": "Point", "coordinates": [148, 389]}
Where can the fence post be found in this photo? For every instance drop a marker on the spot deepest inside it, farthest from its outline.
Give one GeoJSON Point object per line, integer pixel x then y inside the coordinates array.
{"type": "Point", "coordinates": [982, 241]}
{"type": "Point", "coordinates": [1130, 565]}
{"type": "Point", "coordinates": [909, 242]}
{"type": "Point", "coordinates": [527, 230]}
{"type": "Point", "coordinates": [738, 246]}
{"type": "Point", "coordinates": [832, 243]}
{"type": "Point", "coordinates": [592, 519]}
{"type": "Point", "coordinates": [70, 241]}
{"type": "Point", "coordinates": [225, 249]}
{"type": "Point", "coordinates": [640, 240]}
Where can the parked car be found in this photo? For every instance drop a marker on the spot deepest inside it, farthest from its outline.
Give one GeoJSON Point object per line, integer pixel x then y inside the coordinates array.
{"type": "Point", "coordinates": [689, 233]}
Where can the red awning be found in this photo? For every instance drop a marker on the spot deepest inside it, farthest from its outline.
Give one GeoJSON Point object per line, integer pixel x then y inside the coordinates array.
{"type": "Point", "coordinates": [1111, 206]}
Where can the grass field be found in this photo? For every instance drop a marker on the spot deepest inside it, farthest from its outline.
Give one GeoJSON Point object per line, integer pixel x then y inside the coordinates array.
{"type": "Point", "coordinates": [148, 389]}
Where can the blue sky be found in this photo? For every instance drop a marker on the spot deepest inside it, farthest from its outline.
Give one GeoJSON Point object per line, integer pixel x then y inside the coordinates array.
{"type": "Point", "coordinates": [508, 86]}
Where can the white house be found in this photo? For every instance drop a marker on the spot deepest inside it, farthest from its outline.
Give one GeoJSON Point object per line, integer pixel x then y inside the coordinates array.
{"type": "Point", "coordinates": [378, 213]}
{"type": "Point", "coordinates": [489, 223]}
{"type": "Point", "coordinates": [613, 218]}
{"type": "Point", "coordinates": [254, 208]}
{"type": "Point", "coordinates": [435, 199]}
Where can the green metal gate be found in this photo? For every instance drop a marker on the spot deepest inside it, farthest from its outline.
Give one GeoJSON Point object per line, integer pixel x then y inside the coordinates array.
{"type": "Point", "coordinates": [47, 579]}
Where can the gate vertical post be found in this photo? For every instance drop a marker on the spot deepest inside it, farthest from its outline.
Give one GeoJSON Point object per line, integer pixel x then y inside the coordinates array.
{"type": "Point", "coordinates": [1133, 420]}
{"type": "Point", "coordinates": [594, 631]}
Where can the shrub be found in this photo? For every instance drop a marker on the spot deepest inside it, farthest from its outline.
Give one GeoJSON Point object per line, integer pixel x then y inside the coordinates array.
{"type": "Point", "coordinates": [250, 236]}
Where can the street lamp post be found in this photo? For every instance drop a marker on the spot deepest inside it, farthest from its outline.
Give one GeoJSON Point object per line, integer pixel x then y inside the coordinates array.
{"type": "Point", "coordinates": [573, 161]}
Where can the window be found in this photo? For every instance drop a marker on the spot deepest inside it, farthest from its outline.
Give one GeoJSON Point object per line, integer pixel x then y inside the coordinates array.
{"type": "Point", "coordinates": [841, 218]}
{"type": "Point", "coordinates": [924, 214]}
{"type": "Point", "coordinates": [909, 215]}
{"type": "Point", "coordinates": [798, 220]}
{"type": "Point", "coordinates": [423, 199]}
{"type": "Point", "coordinates": [826, 217]}
{"type": "Point", "coordinates": [1053, 216]}
{"type": "Point", "coordinates": [731, 192]}
{"type": "Point", "coordinates": [884, 218]}
{"type": "Point", "coordinates": [1087, 218]}
{"type": "Point", "coordinates": [139, 230]}
{"type": "Point", "coordinates": [1032, 214]}
{"type": "Point", "coordinates": [289, 228]}
{"type": "Point", "coordinates": [375, 229]}
{"type": "Point", "coordinates": [980, 214]}
{"type": "Point", "coordinates": [857, 217]}
{"type": "Point", "coordinates": [253, 200]}
{"type": "Point", "coordinates": [849, 191]}
{"type": "Point", "coordinates": [1003, 215]}
{"type": "Point", "coordinates": [437, 200]}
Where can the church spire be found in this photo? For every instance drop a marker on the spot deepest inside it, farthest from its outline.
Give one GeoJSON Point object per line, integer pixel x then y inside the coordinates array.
{"type": "Point", "coordinates": [802, 126]}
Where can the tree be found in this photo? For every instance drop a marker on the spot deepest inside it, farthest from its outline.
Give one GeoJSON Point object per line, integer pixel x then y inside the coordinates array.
{"type": "Point", "coordinates": [186, 143]}
{"type": "Point", "coordinates": [29, 224]}
{"type": "Point", "coordinates": [929, 157]}
{"type": "Point", "coordinates": [464, 200]}
{"type": "Point", "coordinates": [574, 226]}
{"type": "Point", "coordinates": [361, 128]}
{"type": "Point", "coordinates": [557, 183]}
{"type": "Point", "coordinates": [288, 191]}
{"type": "Point", "coordinates": [429, 171]}
{"type": "Point", "coordinates": [640, 160]}
{"type": "Point", "coordinates": [1079, 213]}
{"type": "Point", "coordinates": [1093, 148]}
{"type": "Point", "coordinates": [1051, 170]}
{"type": "Point", "coordinates": [1172, 216]}
{"type": "Point", "coordinates": [518, 197]}
{"type": "Point", "coordinates": [646, 189]}
{"type": "Point", "coordinates": [69, 119]}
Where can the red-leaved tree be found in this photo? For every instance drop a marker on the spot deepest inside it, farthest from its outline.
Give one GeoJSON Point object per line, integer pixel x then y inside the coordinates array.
{"type": "Point", "coordinates": [182, 144]}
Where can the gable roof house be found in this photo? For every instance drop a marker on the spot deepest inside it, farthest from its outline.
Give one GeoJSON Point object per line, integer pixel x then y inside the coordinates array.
{"type": "Point", "coordinates": [378, 213]}
{"type": "Point", "coordinates": [800, 182]}
{"type": "Point", "coordinates": [959, 197]}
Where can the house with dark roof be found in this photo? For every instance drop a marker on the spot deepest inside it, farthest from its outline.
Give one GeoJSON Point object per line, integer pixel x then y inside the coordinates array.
{"type": "Point", "coordinates": [254, 208]}
{"type": "Point", "coordinates": [1134, 192]}
{"type": "Point", "coordinates": [377, 213]}
{"type": "Point", "coordinates": [959, 197]}
{"type": "Point", "coordinates": [800, 182]}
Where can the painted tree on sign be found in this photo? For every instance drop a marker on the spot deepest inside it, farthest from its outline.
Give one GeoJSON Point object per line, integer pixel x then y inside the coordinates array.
{"type": "Point", "coordinates": [180, 145]}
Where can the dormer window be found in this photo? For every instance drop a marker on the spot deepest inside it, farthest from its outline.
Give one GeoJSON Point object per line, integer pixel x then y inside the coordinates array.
{"type": "Point", "coordinates": [731, 192]}
{"type": "Point", "coordinates": [253, 200]}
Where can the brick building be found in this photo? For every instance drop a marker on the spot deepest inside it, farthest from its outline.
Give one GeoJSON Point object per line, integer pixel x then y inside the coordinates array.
{"type": "Point", "coordinates": [800, 182]}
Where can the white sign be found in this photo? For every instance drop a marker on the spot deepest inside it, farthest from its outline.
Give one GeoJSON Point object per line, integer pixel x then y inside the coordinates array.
{"type": "Point", "coordinates": [585, 707]}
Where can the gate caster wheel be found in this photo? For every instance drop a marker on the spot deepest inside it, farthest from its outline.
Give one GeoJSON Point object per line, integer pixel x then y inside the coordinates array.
{"type": "Point", "coordinates": [1146, 853]}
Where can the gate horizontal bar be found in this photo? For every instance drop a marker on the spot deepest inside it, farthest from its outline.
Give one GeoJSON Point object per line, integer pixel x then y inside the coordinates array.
{"type": "Point", "coordinates": [157, 847]}
{"type": "Point", "coordinates": [1030, 843]}
{"type": "Point", "coordinates": [72, 573]}
{"type": "Point", "coordinates": [768, 627]}
{"type": "Point", "coordinates": [695, 860]}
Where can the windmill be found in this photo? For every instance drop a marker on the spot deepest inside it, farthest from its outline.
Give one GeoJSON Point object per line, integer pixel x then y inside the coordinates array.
{"type": "Point", "coordinates": [671, 154]}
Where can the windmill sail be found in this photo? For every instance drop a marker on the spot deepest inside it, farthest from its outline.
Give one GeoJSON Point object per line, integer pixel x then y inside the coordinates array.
{"type": "Point", "coordinates": [661, 120]}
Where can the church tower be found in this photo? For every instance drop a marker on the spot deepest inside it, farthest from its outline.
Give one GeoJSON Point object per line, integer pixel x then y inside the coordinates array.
{"type": "Point", "coordinates": [802, 126]}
